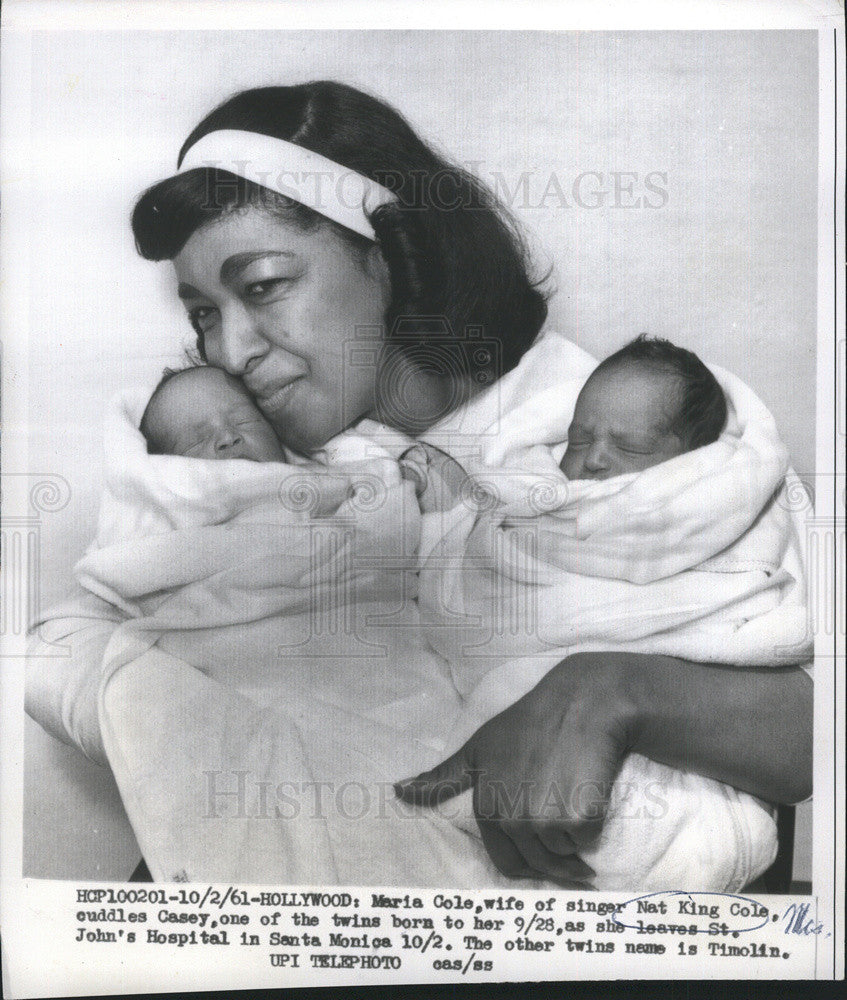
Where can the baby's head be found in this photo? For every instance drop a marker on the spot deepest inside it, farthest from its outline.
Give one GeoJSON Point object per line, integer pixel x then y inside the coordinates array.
{"type": "Point", "coordinates": [648, 402]}
{"type": "Point", "coordinates": [202, 412]}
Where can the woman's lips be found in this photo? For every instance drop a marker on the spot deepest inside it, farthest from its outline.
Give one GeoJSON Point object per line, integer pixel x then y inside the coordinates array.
{"type": "Point", "coordinates": [275, 400]}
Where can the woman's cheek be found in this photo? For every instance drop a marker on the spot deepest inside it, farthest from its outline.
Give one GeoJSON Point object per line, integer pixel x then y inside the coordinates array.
{"type": "Point", "coordinates": [276, 322]}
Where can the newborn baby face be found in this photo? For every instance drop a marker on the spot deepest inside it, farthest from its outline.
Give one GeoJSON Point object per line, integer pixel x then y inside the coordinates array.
{"type": "Point", "coordinates": [206, 413]}
{"type": "Point", "coordinates": [622, 423]}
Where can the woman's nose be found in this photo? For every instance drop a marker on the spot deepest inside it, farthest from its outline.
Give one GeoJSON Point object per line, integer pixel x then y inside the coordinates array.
{"type": "Point", "coordinates": [239, 346]}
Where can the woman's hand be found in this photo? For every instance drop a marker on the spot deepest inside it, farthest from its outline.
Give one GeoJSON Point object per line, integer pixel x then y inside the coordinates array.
{"type": "Point", "coordinates": [542, 770]}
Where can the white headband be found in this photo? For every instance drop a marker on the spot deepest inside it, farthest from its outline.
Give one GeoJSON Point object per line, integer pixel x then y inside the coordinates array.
{"type": "Point", "coordinates": [328, 188]}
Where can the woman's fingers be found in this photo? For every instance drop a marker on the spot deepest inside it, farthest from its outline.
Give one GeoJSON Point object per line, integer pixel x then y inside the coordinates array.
{"type": "Point", "coordinates": [515, 845]}
{"type": "Point", "coordinates": [566, 868]}
{"type": "Point", "coordinates": [449, 778]}
{"type": "Point", "coordinates": [555, 839]}
{"type": "Point", "coordinates": [510, 859]}
{"type": "Point", "coordinates": [541, 782]}
{"type": "Point", "coordinates": [506, 857]}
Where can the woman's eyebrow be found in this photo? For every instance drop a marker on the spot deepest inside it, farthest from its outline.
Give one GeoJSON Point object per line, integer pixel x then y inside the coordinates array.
{"type": "Point", "coordinates": [233, 265]}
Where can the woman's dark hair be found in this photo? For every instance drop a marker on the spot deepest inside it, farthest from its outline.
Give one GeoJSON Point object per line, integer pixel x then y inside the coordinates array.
{"type": "Point", "coordinates": [701, 405]}
{"type": "Point", "coordinates": [456, 258]}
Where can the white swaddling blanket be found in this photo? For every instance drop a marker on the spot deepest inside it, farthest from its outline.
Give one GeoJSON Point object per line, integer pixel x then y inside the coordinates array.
{"type": "Point", "coordinates": [309, 664]}
{"type": "Point", "coordinates": [271, 683]}
{"type": "Point", "coordinates": [697, 558]}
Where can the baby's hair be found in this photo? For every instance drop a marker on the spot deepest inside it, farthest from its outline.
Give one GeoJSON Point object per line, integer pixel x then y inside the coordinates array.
{"type": "Point", "coordinates": [702, 410]}
{"type": "Point", "coordinates": [155, 447]}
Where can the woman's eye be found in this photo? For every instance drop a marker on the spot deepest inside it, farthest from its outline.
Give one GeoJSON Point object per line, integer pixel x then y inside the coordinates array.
{"type": "Point", "coordinates": [259, 289]}
{"type": "Point", "coordinates": [202, 318]}
{"type": "Point", "coordinates": [577, 444]}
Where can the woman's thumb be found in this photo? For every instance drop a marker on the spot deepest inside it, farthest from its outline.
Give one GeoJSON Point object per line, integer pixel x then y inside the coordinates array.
{"type": "Point", "coordinates": [447, 779]}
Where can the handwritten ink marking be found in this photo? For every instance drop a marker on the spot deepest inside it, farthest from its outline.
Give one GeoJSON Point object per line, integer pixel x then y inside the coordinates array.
{"type": "Point", "coordinates": [798, 921]}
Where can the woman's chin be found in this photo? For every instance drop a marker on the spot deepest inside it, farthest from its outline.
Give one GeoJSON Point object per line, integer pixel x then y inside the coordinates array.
{"type": "Point", "coordinates": [308, 438]}
{"type": "Point", "coordinates": [304, 441]}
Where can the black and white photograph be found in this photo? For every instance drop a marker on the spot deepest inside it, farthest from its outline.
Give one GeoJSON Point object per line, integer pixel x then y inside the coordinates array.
{"type": "Point", "coordinates": [419, 485]}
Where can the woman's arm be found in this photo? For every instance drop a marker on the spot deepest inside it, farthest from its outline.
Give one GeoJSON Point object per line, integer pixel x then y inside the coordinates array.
{"type": "Point", "coordinates": [64, 668]}
{"type": "Point", "coordinates": [749, 728]}
{"type": "Point", "coordinates": [542, 771]}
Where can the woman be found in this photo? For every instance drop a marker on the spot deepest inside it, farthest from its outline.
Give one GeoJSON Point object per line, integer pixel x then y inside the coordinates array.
{"type": "Point", "coordinates": [278, 286]}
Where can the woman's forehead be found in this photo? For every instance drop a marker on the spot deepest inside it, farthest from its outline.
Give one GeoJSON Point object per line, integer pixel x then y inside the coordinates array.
{"type": "Point", "coordinates": [246, 233]}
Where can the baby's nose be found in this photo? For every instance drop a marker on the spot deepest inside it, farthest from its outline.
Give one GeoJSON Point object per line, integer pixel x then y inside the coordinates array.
{"type": "Point", "coordinates": [597, 458]}
{"type": "Point", "coordinates": [227, 440]}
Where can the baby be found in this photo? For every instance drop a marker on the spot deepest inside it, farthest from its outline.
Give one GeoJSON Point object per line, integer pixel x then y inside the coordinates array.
{"type": "Point", "coordinates": [648, 402]}
{"type": "Point", "coordinates": [628, 561]}
{"type": "Point", "coordinates": [645, 404]}
{"type": "Point", "coordinates": [203, 412]}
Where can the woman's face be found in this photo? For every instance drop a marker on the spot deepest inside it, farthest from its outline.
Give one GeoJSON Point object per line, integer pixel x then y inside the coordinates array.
{"type": "Point", "coordinates": [280, 307]}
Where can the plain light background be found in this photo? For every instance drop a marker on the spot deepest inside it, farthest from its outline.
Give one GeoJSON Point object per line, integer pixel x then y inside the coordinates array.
{"type": "Point", "coordinates": [726, 266]}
